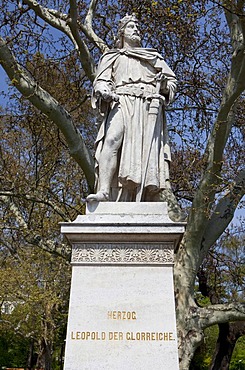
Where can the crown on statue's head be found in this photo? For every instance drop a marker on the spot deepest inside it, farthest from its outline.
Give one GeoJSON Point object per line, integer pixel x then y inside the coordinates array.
{"type": "Point", "coordinates": [125, 20]}
{"type": "Point", "coordinates": [121, 26]}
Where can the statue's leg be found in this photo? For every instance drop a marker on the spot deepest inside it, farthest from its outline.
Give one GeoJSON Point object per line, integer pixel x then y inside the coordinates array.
{"type": "Point", "coordinates": [108, 157]}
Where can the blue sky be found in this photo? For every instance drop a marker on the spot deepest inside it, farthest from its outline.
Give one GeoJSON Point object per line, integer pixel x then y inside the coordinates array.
{"type": "Point", "coordinates": [3, 86]}
{"type": "Point", "coordinates": [3, 101]}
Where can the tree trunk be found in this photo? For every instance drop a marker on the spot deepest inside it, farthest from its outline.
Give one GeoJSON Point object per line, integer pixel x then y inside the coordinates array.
{"type": "Point", "coordinates": [44, 358]}
{"type": "Point", "coordinates": [228, 336]}
{"type": "Point", "coordinates": [62, 354]}
{"type": "Point", "coordinates": [30, 361]}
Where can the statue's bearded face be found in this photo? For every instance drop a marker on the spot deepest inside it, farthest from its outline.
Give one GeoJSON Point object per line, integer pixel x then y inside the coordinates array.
{"type": "Point", "coordinates": [131, 34]}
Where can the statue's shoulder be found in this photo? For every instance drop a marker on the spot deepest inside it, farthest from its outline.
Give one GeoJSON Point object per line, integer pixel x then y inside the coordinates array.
{"type": "Point", "coordinates": [154, 52]}
{"type": "Point", "coordinates": [147, 51]}
{"type": "Point", "coordinates": [109, 55]}
{"type": "Point", "coordinates": [149, 54]}
{"type": "Point", "coordinates": [110, 52]}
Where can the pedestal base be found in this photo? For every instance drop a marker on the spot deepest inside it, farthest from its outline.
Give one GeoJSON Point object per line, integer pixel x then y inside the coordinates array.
{"type": "Point", "coordinates": [122, 313]}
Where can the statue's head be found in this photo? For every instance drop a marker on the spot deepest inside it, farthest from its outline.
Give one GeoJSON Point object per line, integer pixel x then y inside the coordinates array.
{"type": "Point", "coordinates": [128, 31]}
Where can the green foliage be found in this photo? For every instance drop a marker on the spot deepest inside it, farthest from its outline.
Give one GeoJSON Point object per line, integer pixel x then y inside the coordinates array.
{"type": "Point", "coordinates": [41, 185]}
{"type": "Point", "coordinates": [37, 284]}
{"type": "Point", "coordinates": [203, 355]}
{"type": "Point", "coordinates": [238, 364]}
{"type": "Point", "coordinates": [238, 356]}
{"type": "Point", "coordinates": [13, 350]}
{"type": "Point", "coordinates": [224, 266]}
{"type": "Point", "coordinates": [40, 175]}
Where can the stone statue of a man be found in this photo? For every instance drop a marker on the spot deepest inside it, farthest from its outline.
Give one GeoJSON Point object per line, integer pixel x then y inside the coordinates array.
{"type": "Point", "coordinates": [132, 87]}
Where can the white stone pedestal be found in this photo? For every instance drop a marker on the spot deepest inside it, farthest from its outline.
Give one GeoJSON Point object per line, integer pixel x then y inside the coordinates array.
{"type": "Point", "coordinates": [122, 313]}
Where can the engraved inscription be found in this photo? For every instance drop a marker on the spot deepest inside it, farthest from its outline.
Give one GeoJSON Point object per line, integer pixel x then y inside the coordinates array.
{"type": "Point", "coordinates": [123, 253]}
{"type": "Point", "coordinates": [88, 335]}
{"type": "Point", "coordinates": [121, 315]}
{"type": "Point", "coordinates": [167, 336]}
{"type": "Point", "coordinates": [115, 335]}
{"type": "Point", "coordinates": [119, 335]}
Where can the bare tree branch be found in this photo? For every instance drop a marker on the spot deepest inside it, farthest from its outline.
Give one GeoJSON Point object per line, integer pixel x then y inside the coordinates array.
{"type": "Point", "coordinates": [90, 14]}
{"type": "Point", "coordinates": [31, 237]}
{"type": "Point", "coordinates": [221, 313]}
{"type": "Point", "coordinates": [235, 18]}
{"type": "Point", "coordinates": [42, 100]}
{"type": "Point", "coordinates": [234, 87]}
{"type": "Point", "coordinates": [223, 213]}
{"type": "Point", "coordinates": [14, 210]}
{"type": "Point", "coordinates": [17, 329]}
{"type": "Point", "coordinates": [204, 197]}
{"type": "Point", "coordinates": [225, 6]}
{"type": "Point", "coordinates": [68, 25]}
{"type": "Point", "coordinates": [88, 28]}
{"type": "Point", "coordinates": [54, 18]}
{"type": "Point", "coordinates": [84, 53]}
{"type": "Point", "coordinates": [189, 258]}
{"type": "Point", "coordinates": [35, 198]}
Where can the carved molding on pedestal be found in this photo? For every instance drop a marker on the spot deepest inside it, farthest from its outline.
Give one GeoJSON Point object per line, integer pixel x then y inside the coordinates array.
{"type": "Point", "coordinates": [127, 253]}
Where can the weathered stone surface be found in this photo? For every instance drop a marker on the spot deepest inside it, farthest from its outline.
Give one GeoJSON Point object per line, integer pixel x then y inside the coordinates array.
{"type": "Point", "coordinates": [121, 318]}
{"type": "Point", "coordinates": [122, 313]}
{"type": "Point", "coordinates": [129, 208]}
{"type": "Point", "coordinates": [123, 253]}
{"type": "Point", "coordinates": [113, 222]}
{"type": "Point", "coordinates": [132, 87]}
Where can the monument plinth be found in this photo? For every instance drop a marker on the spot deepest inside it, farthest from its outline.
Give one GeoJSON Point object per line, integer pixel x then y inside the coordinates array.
{"type": "Point", "coordinates": [122, 313]}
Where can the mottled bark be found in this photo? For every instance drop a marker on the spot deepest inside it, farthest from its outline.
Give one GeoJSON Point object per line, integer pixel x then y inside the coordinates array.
{"type": "Point", "coordinates": [44, 357]}
{"type": "Point", "coordinates": [223, 213]}
{"type": "Point", "coordinates": [206, 221]}
{"type": "Point", "coordinates": [30, 363]}
{"type": "Point", "coordinates": [192, 320]}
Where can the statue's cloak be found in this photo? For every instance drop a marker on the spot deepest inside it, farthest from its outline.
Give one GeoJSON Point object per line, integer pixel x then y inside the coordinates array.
{"type": "Point", "coordinates": [144, 155]}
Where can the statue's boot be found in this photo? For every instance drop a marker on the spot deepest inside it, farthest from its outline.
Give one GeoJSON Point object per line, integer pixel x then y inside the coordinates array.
{"type": "Point", "coordinates": [98, 197]}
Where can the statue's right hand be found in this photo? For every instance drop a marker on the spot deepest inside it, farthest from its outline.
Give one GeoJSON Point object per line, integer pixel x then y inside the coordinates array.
{"type": "Point", "coordinates": [106, 95]}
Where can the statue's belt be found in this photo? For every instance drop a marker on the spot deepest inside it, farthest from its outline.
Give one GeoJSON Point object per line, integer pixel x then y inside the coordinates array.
{"type": "Point", "coordinates": [142, 91]}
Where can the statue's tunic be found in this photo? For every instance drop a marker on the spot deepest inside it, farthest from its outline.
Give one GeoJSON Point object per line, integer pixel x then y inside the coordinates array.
{"type": "Point", "coordinates": [144, 154]}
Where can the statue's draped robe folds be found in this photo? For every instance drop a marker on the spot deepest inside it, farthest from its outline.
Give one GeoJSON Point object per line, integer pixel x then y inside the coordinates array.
{"type": "Point", "coordinates": [144, 155]}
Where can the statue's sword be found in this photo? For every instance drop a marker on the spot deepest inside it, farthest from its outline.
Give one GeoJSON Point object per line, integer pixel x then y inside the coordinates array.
{"type": "Point", "coordinates": [156, 101]}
